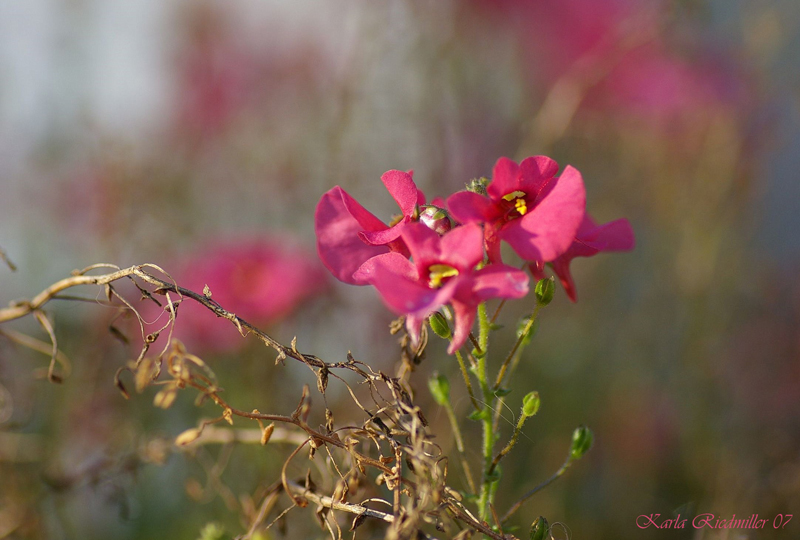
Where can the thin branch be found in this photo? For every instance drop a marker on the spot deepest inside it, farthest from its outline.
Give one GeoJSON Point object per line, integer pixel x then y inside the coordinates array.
{"type": "Point", "coordinates": [537, 489]}
{"type": "Point", "coordinates": [300, 491]}
{"type": "Point", "coordinates": [5, 259]}
{"type": "Point", "coordinates": [38, 346]}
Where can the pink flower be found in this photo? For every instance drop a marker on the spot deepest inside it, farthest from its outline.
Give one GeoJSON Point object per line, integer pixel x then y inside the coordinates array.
{"type": "Point", "coordinates": [443, 271]}
{"type": "Point", "coordinates": [527, 206]}
{"type": "Point", "coordinates": [590, 240]}
{"type": "Point", "coordinates": [262, 280]}
{"type": "Point", "coordinates": [348, 234]}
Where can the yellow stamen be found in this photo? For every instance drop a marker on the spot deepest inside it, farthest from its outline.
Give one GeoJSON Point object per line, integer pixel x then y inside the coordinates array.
{"type": "Point", "coordinates": [518, 197]}
{"type": "Point", "coordinates": [437, 273]}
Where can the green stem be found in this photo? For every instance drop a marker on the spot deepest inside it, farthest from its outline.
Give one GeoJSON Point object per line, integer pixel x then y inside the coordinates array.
{"type": "Point", "coordinates": [467, 382]}
{"type": "Point", "coordinates": [487, 479]}
{"type": "Point", "coordinates": [484, 327]}
{"type": "Point", "coordinates": [510, 364]}
{"type": "Point", "coordinates": [538, 488]}
{"type": "Point", "coordinates": [507, 448]}
{"type": "Point", "coordinates": [517, 347]}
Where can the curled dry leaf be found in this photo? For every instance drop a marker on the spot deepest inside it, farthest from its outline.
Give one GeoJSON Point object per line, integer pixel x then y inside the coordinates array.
{"type": "Point", "coordinates": [166, 397]}
{"type": "Point", "coordinates": [267, 433]}
{"type": "Point", "coordinates": [188, 436]}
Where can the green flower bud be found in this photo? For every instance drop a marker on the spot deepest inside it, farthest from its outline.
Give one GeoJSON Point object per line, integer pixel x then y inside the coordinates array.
{"type": "Point", "coordinates": [439, 325]}
{"type": "Point", "coordinates": [530, 404]}
{"type": "Point", "coordinates": [540, 529]}
{"type": "Point", "coordinates": [212, 531]}
{"type": "Point", "coordinates": [435, 218]}
{"type": "Point", "coordinates": [545, 290]}
{"type": "Point", "coordinates": [440, 388]}
{"type": "Point", "coordinates": [582, 439]}
{"type": "Point", "coordinates": [478, 185]}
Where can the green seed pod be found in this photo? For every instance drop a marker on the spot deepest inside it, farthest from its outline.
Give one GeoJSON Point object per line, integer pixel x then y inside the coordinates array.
{"type": "Point", "coordinates": [440, 388]}
{"type": "Point", "coordinates": [545, 289]}
{"type": "Point", "coordinates": [530, 404]}
{"type": "Point", "coordinates": [582, 439]}
{"type": "Point", "coordinates": [540, 529]}
{"type": "Point", "coordinates": [439, 325]}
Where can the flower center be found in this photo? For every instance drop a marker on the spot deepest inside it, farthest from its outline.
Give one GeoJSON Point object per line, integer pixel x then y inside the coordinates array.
{"type": "Point", "coordinates": [438, 273]}
{"type": "Point", "coordinates": [517, 198]}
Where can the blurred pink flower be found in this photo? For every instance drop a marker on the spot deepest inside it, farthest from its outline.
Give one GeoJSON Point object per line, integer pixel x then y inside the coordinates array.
{"type": "Point", "coordinates": [348, 234]}
{"type": "Point", "coordinates": [617, 53]}
{"type": "Point", "coordinates": [214, 76]}
{"type": "Point", "coordinates": [222, 79]}
{"type": "Point", "coordinates": [442, 272]}
{"type": "Point", "coordinates": [527, 206]}
{"type": "Point", "coordinates": [590, 240]}
{"type": "Point", "coordinates": [261, 279]}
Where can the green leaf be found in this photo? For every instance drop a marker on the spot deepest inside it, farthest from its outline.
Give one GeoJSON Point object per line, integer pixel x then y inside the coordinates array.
{"type": "Point", "coordinates": [440, 388]}
{"type": "Point", "coordinates": [483, 414]}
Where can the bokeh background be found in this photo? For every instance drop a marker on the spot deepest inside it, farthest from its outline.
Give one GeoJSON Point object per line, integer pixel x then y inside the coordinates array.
{"type": "Point", "coordinates": [199, 135]}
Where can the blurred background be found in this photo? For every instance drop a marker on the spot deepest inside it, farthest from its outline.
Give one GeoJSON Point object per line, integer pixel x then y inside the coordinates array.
{"type": "Point", "coordinates": [199, 136]}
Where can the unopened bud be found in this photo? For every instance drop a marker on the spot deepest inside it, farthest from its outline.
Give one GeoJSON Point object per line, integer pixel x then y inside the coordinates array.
{"type": "Point", "coordinates": [582, 439]}
{"type": "Point", "coordinates": [531, 403]}
{"type": "Point", "coordinates": [440, 388]}
{"type": "Point", "coordinates": [439, 325]}
{"type": "Point", "coordinates": [436, 219]}
{"type": "Point", "coordinates": [540, 529]}
{"type": "Point", "coordinates": [545, 289]}
{"type": "Point", "coordinates": [478, 185]}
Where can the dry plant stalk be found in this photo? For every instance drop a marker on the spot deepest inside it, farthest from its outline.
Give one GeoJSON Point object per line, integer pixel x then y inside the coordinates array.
{"type": "Point", "coordinates": [392, 447]}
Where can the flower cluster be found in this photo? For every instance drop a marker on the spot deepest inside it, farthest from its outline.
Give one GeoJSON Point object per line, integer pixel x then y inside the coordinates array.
{"type": "Point", "coordinates": [429, 256]}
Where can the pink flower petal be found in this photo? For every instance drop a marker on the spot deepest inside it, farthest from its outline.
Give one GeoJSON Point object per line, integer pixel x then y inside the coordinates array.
{"type": "Point", "coordinates": [465, 318]}
{"type": "Point", "coordinates": [561, 268]}
{"type": "Point", "coordinates": [403, 189]}
{"type": "Point", "coordinates": [591, 239]}
{"type": "Point", "coordinates": [423, 244]}
{"type": "Point", "coordinates": [400, 293]}
{"type": "Point", "coordinates": [364, 217]}
{"type": "Point", "coordinates": [536, 171]}
{"type": "Point", "coordinates": [499, 281]}
{"type": "Point", "coordinates": [616, 235]}
{"type": "Point", "coordinates": [337, 221]}
{"type": "Point", "coordinates": [462, 247]}
{"type": "Point", "coordinates": [413, 328]}
{"type": "Point", "coordinates": [469, 207]}
{"type": "Point", "coordinates": [393, 262]}
{"type": "Point", "coordinates": [549, 228]}
{"type": "Point", "coordinates": [505, 179]}
{"type": "Point", "coordinates": [381, 238]}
